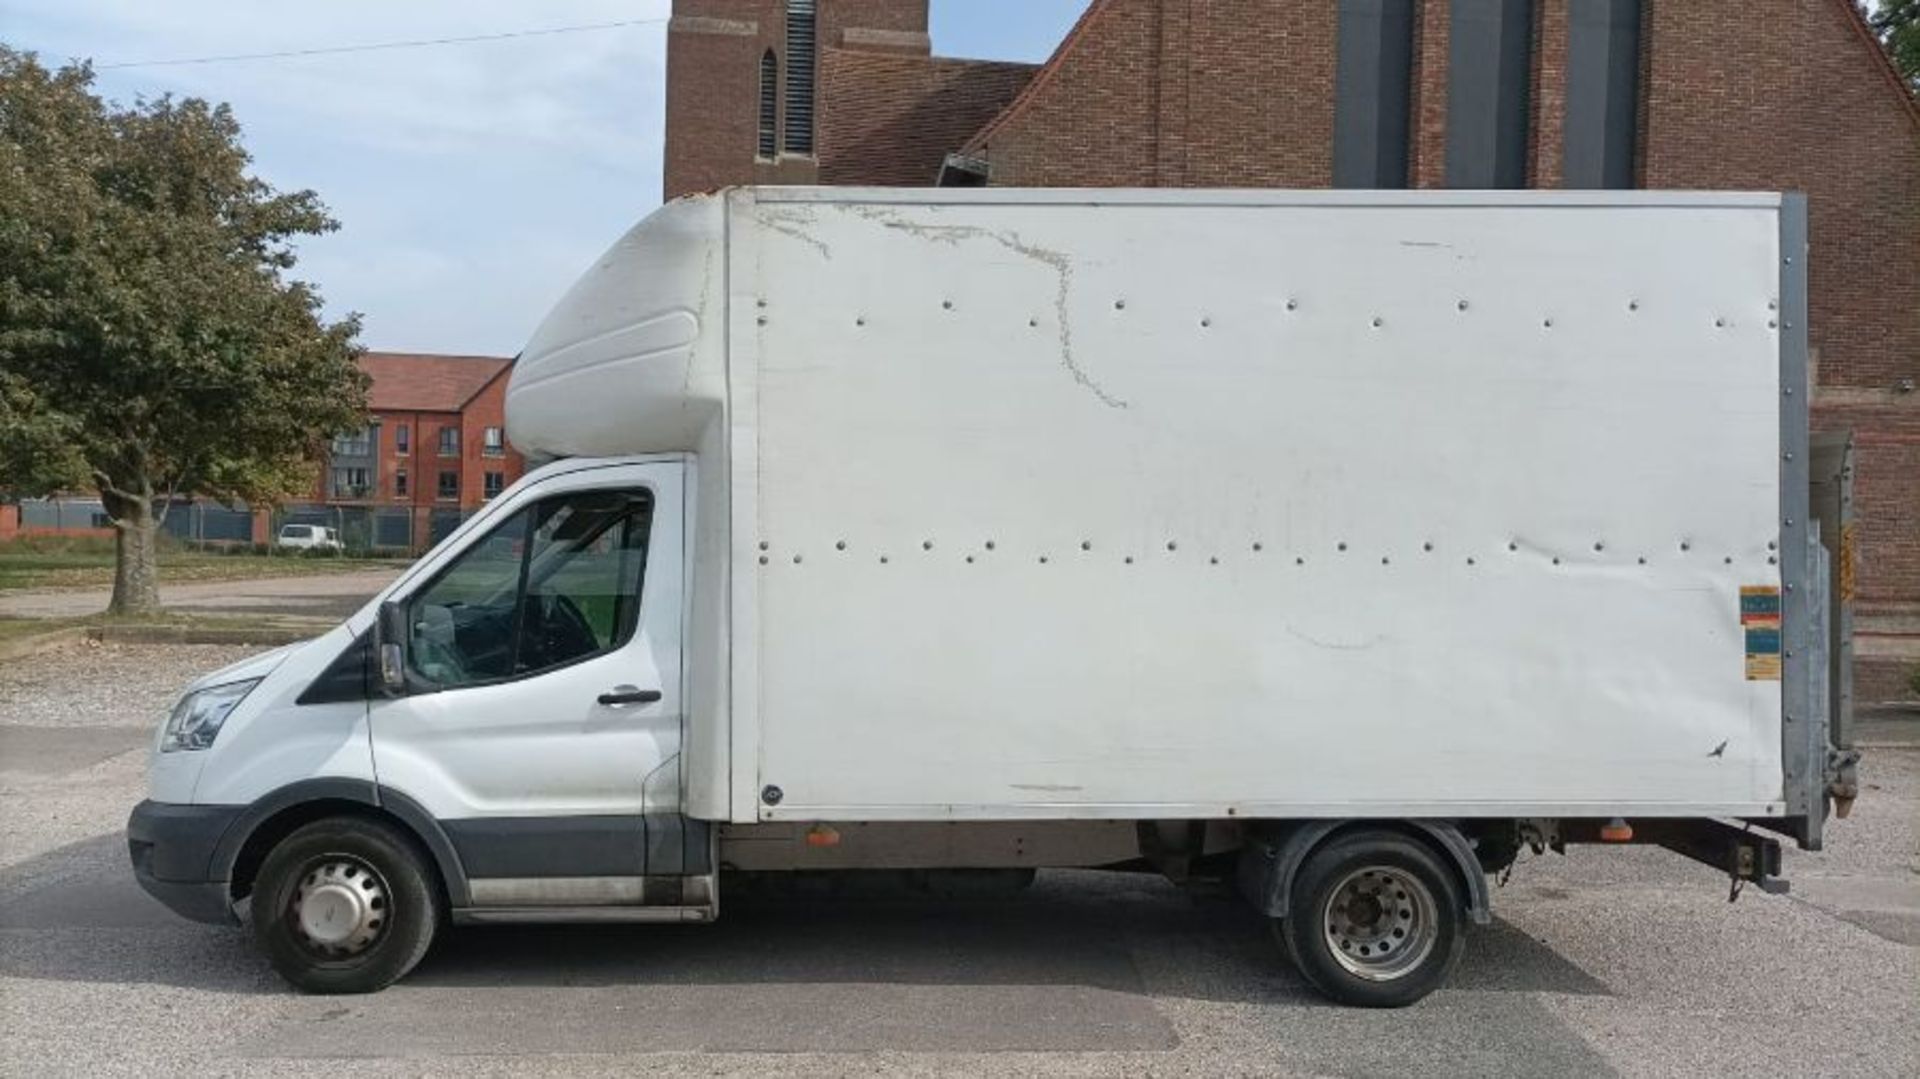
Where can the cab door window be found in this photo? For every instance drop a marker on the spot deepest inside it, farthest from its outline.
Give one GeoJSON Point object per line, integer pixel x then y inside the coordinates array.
{"type": "Point", "coordinates": [556, 583]}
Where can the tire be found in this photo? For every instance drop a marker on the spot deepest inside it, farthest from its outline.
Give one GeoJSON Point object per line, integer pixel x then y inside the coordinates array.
{"type": "Point", "coordinates": [370, 906]}
{"type": "Point", "coordinates": [1375, 919]}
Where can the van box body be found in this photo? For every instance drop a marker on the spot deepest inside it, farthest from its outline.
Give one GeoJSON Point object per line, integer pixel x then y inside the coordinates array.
{"type": "Point", "coordinates": [1023, 505]}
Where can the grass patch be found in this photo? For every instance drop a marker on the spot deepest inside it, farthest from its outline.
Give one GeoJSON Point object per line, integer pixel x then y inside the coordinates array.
{"type": "Point", "coordinates": [16, 629]}
{"type": "Point", "coordinates": [65, 562]}
{"type": "Point", "coordinates": [17, 635]}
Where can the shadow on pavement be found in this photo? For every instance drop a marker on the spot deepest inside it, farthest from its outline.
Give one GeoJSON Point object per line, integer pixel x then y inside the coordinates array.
{"type": "Point", "coordinates": [76, 914]}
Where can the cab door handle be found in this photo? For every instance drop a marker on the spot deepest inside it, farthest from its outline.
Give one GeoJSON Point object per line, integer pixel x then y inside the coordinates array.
{"type": "Point", "coordinates": [629, 695]}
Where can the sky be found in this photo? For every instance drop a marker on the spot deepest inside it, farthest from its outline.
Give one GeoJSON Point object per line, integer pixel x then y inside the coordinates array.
{"type": "Point", "coordinates": [473, 182]}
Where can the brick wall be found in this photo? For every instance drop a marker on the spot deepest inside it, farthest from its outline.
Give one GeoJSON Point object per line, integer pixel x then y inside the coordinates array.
{"type": "Point", "coordinates": [1088, 119]}
{"type": "Point", "coordinates": [1249, 122]}
{"type": "Point", "coordinates": [1886, 492]}
{"type": "Point", "coordinates": [1428, 154]}
{"type": "Point", "coordinates": [713, 81]}
{"type": "Point", "coordinates": [713, 95]}
{"type": "Point", "coordinates": [1214, 93]}
{"type": "Point", "coordinates": [487, 409]}
{"type": "Point", "coordinates": [1789, 96]}
{"type": "Point", "coordinates": [1548, 96]}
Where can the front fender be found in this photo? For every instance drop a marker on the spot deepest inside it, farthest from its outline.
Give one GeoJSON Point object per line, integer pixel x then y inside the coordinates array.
{"type": "Point", "coordinates": [409, 813]}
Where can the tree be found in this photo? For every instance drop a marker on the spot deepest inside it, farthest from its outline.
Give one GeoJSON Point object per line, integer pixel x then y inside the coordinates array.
{"type": "Point", "coordinates": [1897, 24]}
{"type": "Point", "coordinates": [151, 346]}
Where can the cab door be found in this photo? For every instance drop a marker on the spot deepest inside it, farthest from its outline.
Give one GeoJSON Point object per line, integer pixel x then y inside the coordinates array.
{"type": "Point", "coordinates": [541, 720]}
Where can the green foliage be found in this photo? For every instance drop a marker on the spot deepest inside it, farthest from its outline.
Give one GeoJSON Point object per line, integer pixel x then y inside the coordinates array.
{"type": "Point", "coordinates": [1913, 681]}
{"type": "Point", "coordinates": [37, 444]}
{"type": "Point", "coordinates": [1897, 22]}
{"type": "Point", "coordinates": [149, 342]}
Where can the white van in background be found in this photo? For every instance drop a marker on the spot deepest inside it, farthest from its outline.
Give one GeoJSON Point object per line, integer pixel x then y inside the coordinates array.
{"type": "Point", "coordinates": [1340, 544]}
{"type": "Point", "coordinates": [307, 538]}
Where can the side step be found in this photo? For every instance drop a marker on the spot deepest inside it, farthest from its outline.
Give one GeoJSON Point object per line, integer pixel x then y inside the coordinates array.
{"type": "Point", "coordinates": [566, 915]}
{"type": "Point", "coordinates": [650, 899]}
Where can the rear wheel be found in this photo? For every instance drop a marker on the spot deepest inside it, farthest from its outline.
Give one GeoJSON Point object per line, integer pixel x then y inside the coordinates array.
{"type": "Point", "coordinates": [1375, 919]}
{"type": "Point", "coordinates": [344, 905]}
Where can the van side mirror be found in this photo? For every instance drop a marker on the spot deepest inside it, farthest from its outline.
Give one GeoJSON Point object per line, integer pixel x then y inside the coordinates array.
{"type": "Point", "coordinates": [390, 647]}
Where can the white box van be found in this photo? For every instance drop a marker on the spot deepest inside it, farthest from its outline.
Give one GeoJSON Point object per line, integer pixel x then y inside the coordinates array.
{"type": "Point", "coordinates": [1343, 544]}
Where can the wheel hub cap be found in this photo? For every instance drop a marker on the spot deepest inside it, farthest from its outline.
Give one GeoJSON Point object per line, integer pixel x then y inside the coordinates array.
{"type": "Point", "coordinates": [340, 907]}
{"type": "Point", "coordinates": [1380, 923]}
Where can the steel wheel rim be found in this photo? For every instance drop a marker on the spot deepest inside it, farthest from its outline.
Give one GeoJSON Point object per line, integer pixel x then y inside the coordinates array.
{"type": "Point", "coordinates": [340, 907]}
{"type": "Point", "coordinates": [1380, 923]}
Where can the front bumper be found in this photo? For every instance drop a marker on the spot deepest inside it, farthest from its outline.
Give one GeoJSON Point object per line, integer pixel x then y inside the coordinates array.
{"type": "Point", "coordinates": [172, 849]}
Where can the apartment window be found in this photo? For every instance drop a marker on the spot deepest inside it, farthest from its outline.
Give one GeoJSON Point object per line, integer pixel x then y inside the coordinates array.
{"type": "Point", "coordinates": [492, 484]}
{"type": "Point", "coordinates": [449, 441]}
{"type": "Point", "coordinates": [400, 484]}
{"type": "Point", "coordinates": [800, 65]}
{"type": "Point", "coordinates": [449, 485]}
{"type": "Point", "coordinates": [493, 442]}
{"type": "Point", "coordinates": [356, 444]}
{"type": "Point", "coordinates": [402, 439]}
{"type": "Point", "coordinates": [350, 483]}
{"type": "Point", "coordinates": [769, 144]}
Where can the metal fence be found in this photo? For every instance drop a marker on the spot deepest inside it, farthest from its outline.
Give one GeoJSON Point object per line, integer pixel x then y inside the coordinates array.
{"type": "Point", "coordinates": [192, 522]}
{"type": "Point", "coordinates": [205, 522]}
{"type": "Point", "coordinates": [373, 528]}
{"type": "Point", "coordinates": [63, 514]}
{"type": "Point", "coordinates": [361, 528]}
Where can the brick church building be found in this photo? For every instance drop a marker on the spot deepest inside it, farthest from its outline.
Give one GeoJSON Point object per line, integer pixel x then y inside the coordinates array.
{"type": "Point", "coordinates": [1718, 94]}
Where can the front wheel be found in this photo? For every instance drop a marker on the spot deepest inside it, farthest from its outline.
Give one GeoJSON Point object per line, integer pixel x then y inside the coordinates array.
{"type": "Point", "coordinates": [344, 905]}
{"type": "Point", "coordinates": [1374, 919]}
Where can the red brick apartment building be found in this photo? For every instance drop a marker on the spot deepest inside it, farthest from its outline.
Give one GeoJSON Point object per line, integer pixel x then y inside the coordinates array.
{"type": "Point", "coordinates": [434, 451]}
{"type": "Point", "coordinates": [1711, 94]}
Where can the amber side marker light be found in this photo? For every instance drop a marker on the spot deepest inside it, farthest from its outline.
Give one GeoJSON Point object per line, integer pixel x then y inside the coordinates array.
{"type": "Point", "coordinates": [1616, 830]}
{"type": "Point", "coordinates": [822, 836]}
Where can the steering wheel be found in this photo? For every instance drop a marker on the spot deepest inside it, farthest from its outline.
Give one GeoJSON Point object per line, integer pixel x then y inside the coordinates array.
{"type": "Point", "coordinates": [562, 632]}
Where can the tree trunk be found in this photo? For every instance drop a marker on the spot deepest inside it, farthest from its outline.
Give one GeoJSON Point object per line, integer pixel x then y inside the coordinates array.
{"type": "Point", "coordinates": [136, 581]}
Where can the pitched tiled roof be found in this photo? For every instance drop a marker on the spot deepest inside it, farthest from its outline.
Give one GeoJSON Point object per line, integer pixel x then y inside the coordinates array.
{"type": "Point", "coordinates": [891, 120]}
{"type": "Point", "coordinates": [422, 382]}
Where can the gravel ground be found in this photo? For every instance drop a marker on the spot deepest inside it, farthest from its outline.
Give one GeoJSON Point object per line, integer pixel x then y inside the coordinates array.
{"type": "Point", "coordinates": [1627, 962]}
{"type": "Point", "coordinates": [96, 684]}
{"type": "Point", "coordinates": [94, 707]}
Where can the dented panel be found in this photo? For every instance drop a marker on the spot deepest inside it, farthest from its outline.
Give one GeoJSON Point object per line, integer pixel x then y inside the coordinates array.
{"type": "Point", "coordinates": [1257, 504]}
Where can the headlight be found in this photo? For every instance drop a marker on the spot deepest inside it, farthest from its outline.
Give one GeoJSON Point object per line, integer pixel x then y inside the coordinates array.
{"type": "Point", "coordinates": [196, 720]}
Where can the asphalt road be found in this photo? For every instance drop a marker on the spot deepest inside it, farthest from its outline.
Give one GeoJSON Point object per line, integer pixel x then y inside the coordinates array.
{"type": "Point", "coordinates": [1624, 962]}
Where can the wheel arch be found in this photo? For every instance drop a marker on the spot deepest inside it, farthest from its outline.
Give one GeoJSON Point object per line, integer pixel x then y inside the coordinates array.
{"type": "Point", "coordinates": [1274, 853]}
{"type": "Point", "coordinates": [240, 852]}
